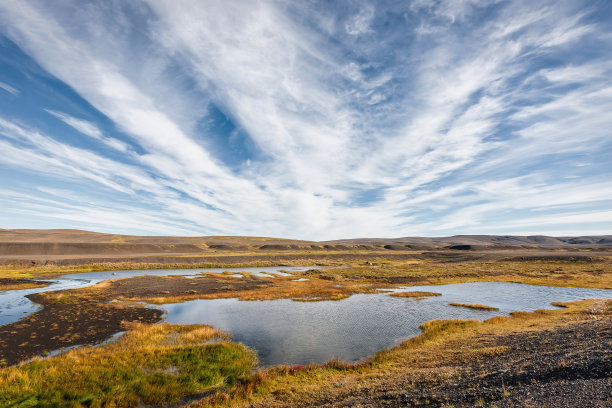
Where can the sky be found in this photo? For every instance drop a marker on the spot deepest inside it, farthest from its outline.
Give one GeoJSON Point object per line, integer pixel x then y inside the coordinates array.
{"type": "Point", "coordinates": [307, 119]}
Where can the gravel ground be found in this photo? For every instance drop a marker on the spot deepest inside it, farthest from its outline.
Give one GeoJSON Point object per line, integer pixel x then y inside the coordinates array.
{"type": "Point", "coordinates": [557, 368]}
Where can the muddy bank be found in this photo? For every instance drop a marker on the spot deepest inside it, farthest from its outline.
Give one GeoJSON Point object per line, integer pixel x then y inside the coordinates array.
{"type": "Point", "coordinates": [140, 287]}
{"type": "Point", "coordinates": [89, 315]}
{"type": "Point", "coordinates": [63, 323]}
{"type": "Point", "coordinates": [20, 283]}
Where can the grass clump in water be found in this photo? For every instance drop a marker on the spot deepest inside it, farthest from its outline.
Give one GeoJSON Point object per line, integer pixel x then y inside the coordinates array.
{"type": "Point", "coordinates": [475, 306]}
{"type": "Point", "coordinates": [151, 364]}
{"type": "Point", "coordinates": [414, 294]}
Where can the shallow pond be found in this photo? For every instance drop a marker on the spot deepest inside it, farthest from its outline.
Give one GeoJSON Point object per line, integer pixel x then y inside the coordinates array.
{"type": "Point", "coordinates": [14, 305]}
{"type": "Point", "coordinates": [289, 332]}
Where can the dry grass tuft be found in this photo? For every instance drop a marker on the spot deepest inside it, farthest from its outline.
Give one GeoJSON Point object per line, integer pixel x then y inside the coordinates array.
{"type": "Point", "coordinates": [475, 306]}
{"type": "Point", "coordinates": [414, 294]}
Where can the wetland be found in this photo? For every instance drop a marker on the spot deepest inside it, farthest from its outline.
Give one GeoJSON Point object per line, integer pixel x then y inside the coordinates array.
{"type": "Point", "coordinates": [394, 331]}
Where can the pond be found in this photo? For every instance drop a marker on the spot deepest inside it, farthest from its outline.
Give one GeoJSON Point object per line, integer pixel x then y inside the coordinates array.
{"type": "Point", "coordinates": [14, 305]}
{"type": "Point", "coordinates": [290, 332]}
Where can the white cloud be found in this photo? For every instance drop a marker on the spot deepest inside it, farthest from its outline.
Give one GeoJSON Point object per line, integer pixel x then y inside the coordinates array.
{"type": "Point", "coordinates": [443, 128]}
{"type": "Point", "coordinates": [89, 129]}
{"type": "Point", "coordinates": [360, 22]}
{"type": "Point", "coordinates": [9, 89]}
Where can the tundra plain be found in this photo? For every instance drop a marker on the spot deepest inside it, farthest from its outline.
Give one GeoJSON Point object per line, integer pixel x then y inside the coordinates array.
{"type": "Point", "coordinates": [544, 358]}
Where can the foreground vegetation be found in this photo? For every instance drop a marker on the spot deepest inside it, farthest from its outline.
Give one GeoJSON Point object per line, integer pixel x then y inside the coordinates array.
{"type": "Point", "coordinates": [150, 364]}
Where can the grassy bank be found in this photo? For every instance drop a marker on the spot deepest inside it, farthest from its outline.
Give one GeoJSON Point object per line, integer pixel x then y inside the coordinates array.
{"type": "Point", "coordinates": [416, 371]}
{"type": "Point", "coordinates": [52, 271]}
{"type": "Point", "coordinates": [591, 273]}
{"type": "Point", "coordinates": [335, 283]}
{"type": "Point", "coordinates": [151, 364]}
{"type": "Point", "coordinates": [20, 283]}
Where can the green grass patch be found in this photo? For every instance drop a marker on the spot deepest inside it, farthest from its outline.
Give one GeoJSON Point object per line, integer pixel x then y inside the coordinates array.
{"type": "Point", "coordinates": [151, 365]}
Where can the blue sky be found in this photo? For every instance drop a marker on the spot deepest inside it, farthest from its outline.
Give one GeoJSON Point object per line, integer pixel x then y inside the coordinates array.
{"type": "Point", "coordinates": [309, 119]}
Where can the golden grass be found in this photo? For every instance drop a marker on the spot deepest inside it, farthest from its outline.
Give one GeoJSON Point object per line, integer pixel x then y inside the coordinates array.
{"type": "Point", "coordinates": [21, 286]}
{"type": "Point", "coordinates": [150, 364]}
{"type": "Point", "coordinates": [335, 283]}
{"type": "Point", "coordinates": [281, 287]}
{"type": "Point", "coordinates": [586, 274]}
{"type": "Point", "coordinates": [475, 306]}
{"type": "Point", "coordinates": [378, 270]}
{"type": "Point", "coordinates": [414, 294]}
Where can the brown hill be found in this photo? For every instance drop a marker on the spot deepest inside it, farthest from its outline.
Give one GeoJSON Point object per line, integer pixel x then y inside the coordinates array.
{"type": "Point", "coordinates": [76, 246]}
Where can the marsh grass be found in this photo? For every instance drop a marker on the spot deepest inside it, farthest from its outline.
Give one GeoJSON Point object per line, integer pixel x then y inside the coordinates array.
{"type": "Point", "coordinates": [278, 287]}
{"type": "Point", "coordinates": [150, 364]}
{"type": "Point", "coordinates": [24, 285]}
{"type": "Point", "coordinates": [475, 306]}
{"type": "Point", "coordinates": [596, 273]}
{"type": "Point", "coordinates": [336, 283]}
{"type": "Point", "coordinates": [414, 294]}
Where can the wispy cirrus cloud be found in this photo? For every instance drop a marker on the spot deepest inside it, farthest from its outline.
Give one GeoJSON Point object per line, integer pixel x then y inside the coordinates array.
{"type": "Point", "coordinates": [89, 129]}
{"type": "Point", "coordinates": [9, 89]}
{"type": "Point", "coordinates": [327, 121]}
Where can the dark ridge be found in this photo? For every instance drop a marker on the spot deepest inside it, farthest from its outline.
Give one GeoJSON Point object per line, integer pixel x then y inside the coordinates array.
{"type": "Point", "coordinates": [77, 248]}
{"type": "Point", "coordinates": [228, 247]}
{"type": "Point", "coordinates": [395, 247]}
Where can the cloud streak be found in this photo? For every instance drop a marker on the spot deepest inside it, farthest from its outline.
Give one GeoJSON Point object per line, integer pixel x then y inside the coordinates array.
{"type": "Point", "coordinates": [322, 121]}
{"type": "Point", "coordinates": [9, 89]}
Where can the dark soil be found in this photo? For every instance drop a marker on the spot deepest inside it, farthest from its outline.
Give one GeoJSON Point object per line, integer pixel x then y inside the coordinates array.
{"type": "Point", "coordinates": [18, 283]}
{"type": "Point", "coordinates": [87, 316]}
{"type": "Point", "coordinates": [159, 286]}
{"type": "Point", "coordinates": [59, 325]}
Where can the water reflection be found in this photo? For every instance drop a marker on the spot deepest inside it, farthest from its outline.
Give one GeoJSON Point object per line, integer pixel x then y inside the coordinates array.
{"type": "Point", "coordinates": [14, 305]}
{"type": "Point", "coordinates": [288, 332]}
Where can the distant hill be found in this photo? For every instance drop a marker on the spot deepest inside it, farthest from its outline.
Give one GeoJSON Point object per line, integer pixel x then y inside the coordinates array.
{"type": "Point", "coordinates": [76, 247]}
{"type": "Point", "coordinates": [65, 241]}
{"type": "Point", "coordinates": [488, 240]}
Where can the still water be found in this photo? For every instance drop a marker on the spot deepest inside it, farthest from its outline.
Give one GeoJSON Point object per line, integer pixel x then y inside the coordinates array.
{"type": "Point", "coordinates": [288, 332]}
{"type": "Point", "coordinates": [14, 305]}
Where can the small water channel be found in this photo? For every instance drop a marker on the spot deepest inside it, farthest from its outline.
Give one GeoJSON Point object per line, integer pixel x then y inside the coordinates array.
{"type": "Point", "coordinates": [14, 305]}
{"type": "Point", "coordinates": [288, 332]}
